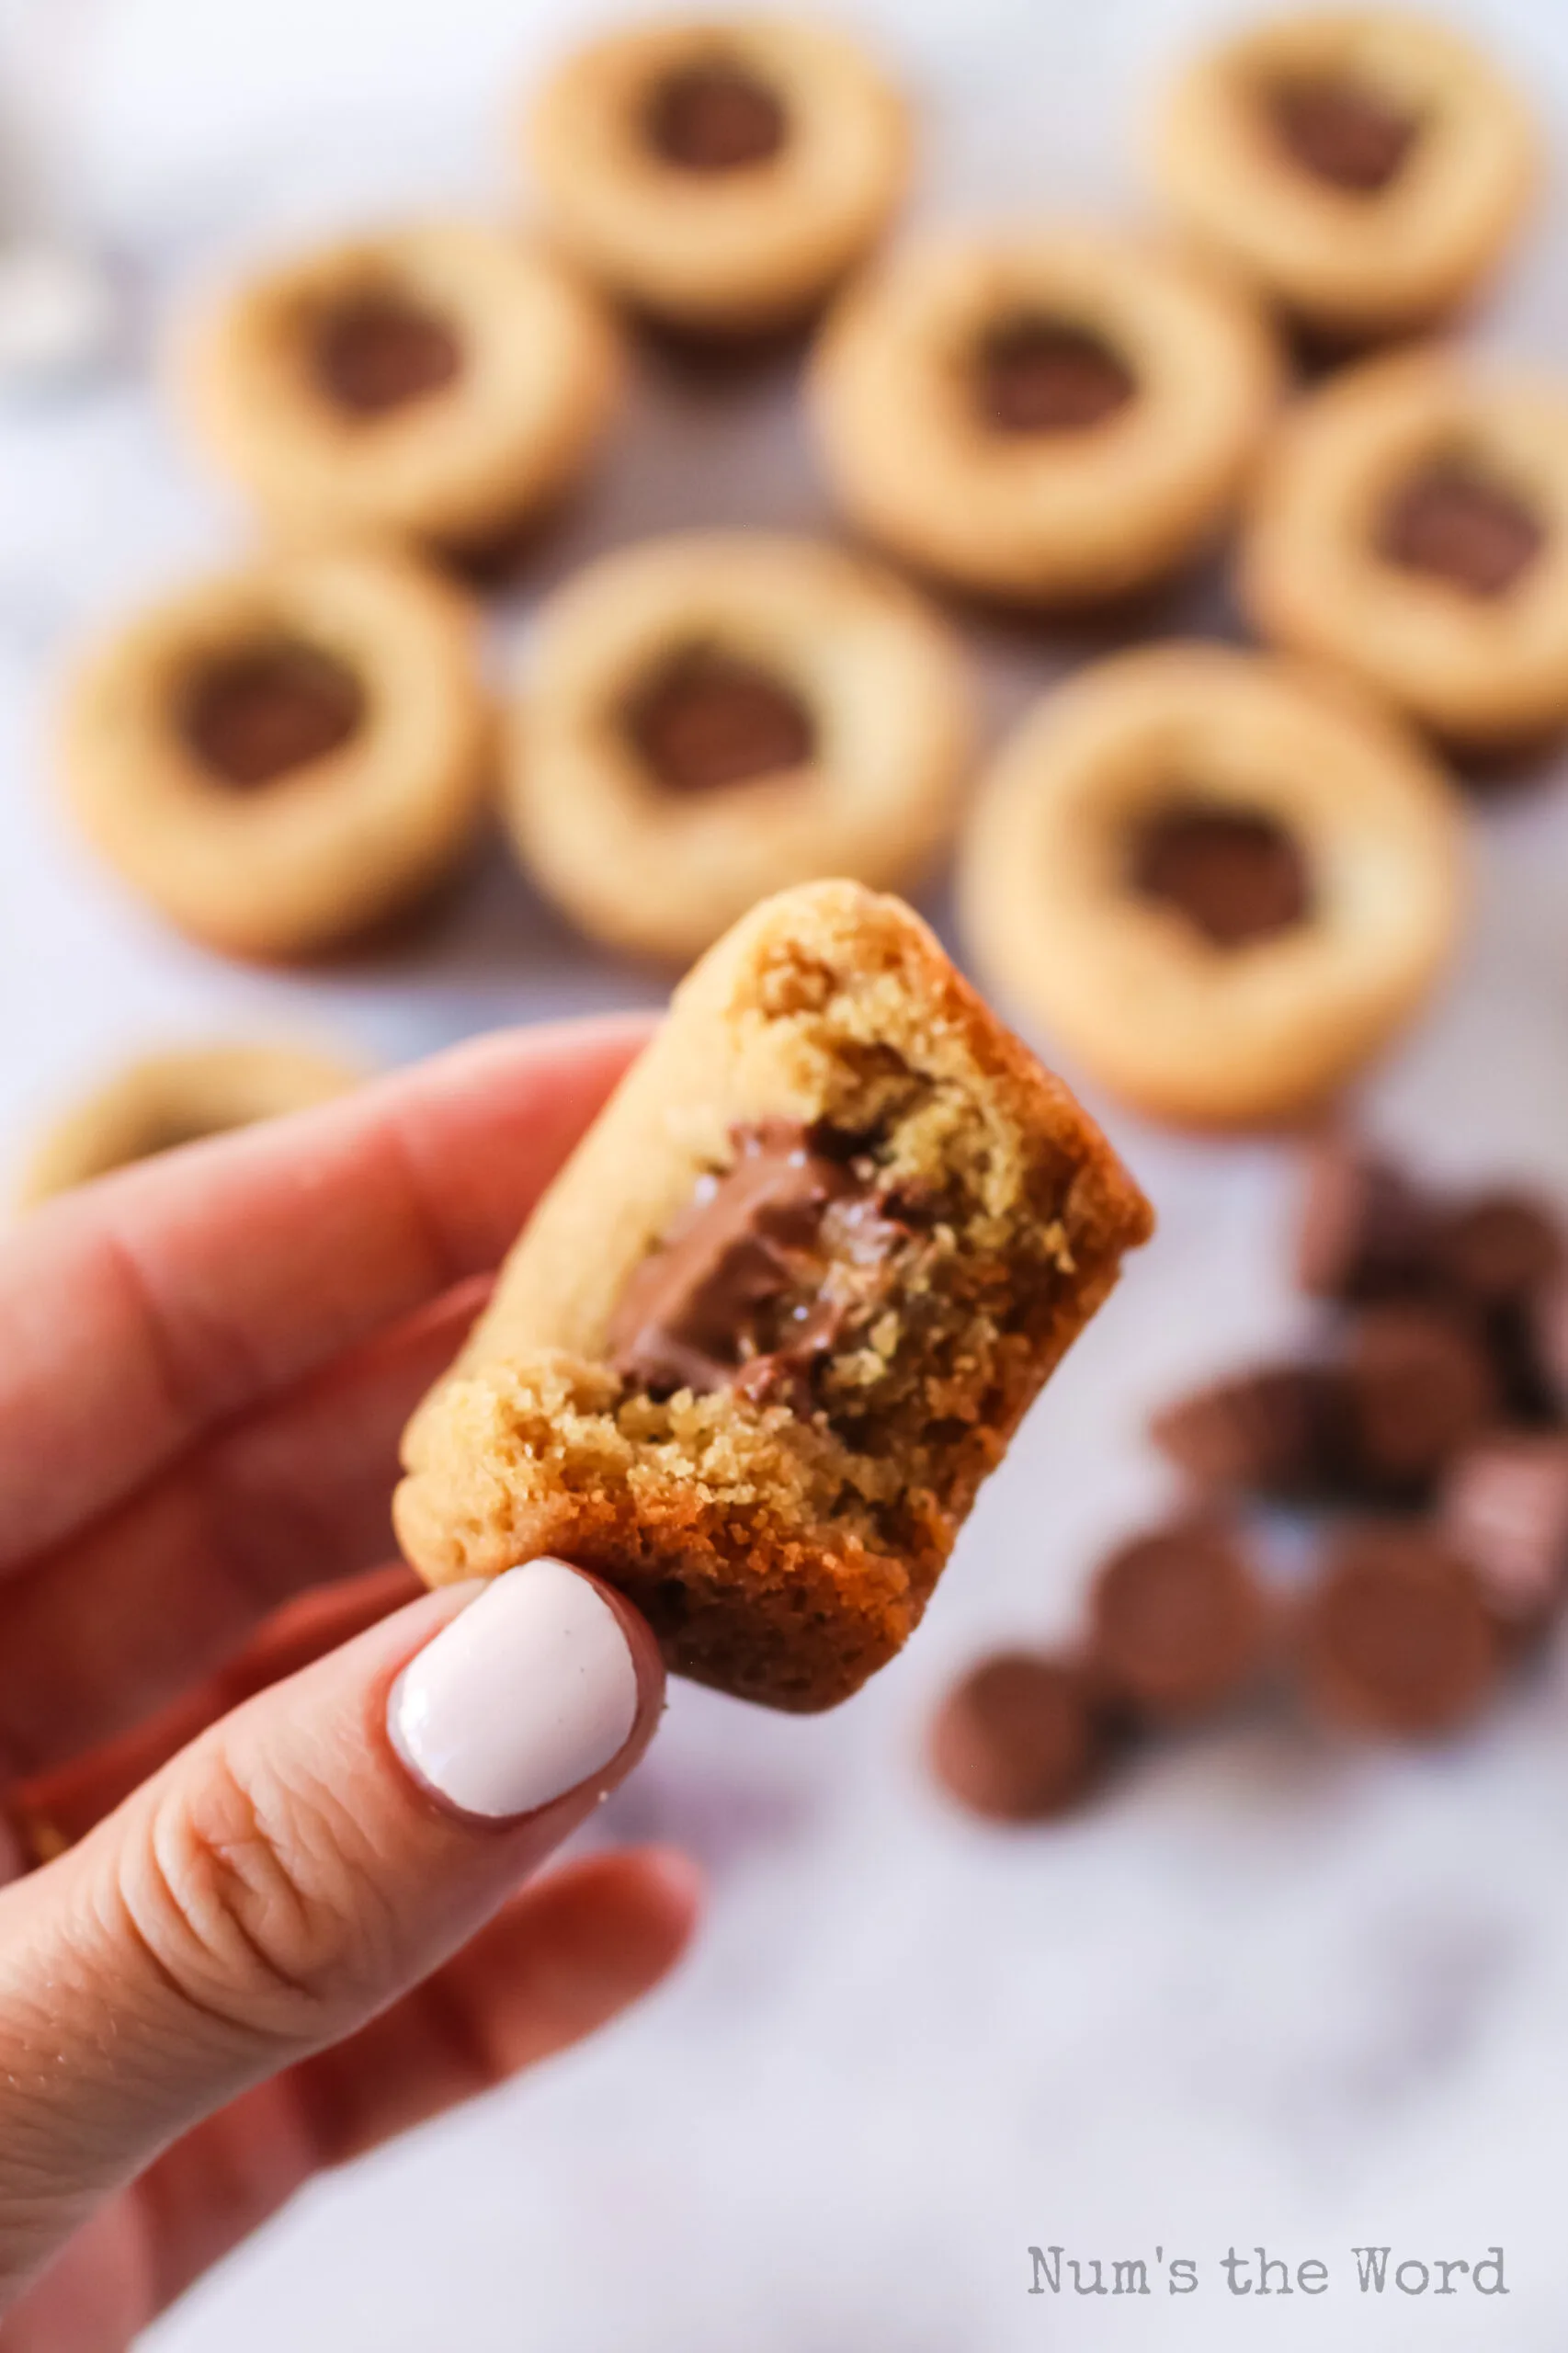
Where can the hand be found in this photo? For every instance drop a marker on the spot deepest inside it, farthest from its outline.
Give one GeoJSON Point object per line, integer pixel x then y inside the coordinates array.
{"type": "Point", "coordinates": [296, 1932]}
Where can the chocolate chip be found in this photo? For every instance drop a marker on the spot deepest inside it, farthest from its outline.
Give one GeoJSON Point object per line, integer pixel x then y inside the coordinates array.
{"type": "Point", "coordinates": [1544, 1323]}
{"type": "Point", "coordinates": [1233, 873]}
{"type": "Point", "coordinates": [1418, 1384]}
{"type": "Point", "coordinates": [1365, 1231]}
{"type": "Point", "coordinates": [1505, 1510]}
{"type": "Point", "coordinates": [1497, 1247]}
{"type": "Point", "coordinates": [1276, 1430]}
{"type": "Point", "coordinates": [1342, 132]}
{"type": "Point", "coordinates": [1019, 1737]}
{"type": "Point", "coordinates": [1453, 524]}
{"type": "Point", "coordinates": [379, 352]}
{"type": "Point", "coordinates": [253, 717]}
{"type": "Point", "coordinates": [1395, 1637]}
{"type": "Point", "coordinates": [707, 721]}
{"type": "Point", "coordinates": [715, 116]}
{"type": "Point", "coordinates": [1177, 1620]}
{"type": "Point", "coordinates": [1045, 376]}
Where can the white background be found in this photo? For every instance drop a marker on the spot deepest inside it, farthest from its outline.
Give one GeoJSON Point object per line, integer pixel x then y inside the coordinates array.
{"type": "Point", "coordinates": [1269, 1990]}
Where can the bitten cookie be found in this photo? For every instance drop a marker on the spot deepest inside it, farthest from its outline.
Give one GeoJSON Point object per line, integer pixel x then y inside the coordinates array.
{"type": "Point", "coordinates": [1048, 417]}
{"type": "Point", "coordinates": [444, 383]}
{"type": "Point", "coordinates": [781, 1315]}
{"type": "Point", "coordinates": [174, 1099]}
{"type": "Point", "coordinates": [714, 717]}
{"type": "Point", "coordinates": [1411, 526]}
{"type": "Point", "coordinates": [1366, 168]}
{"type": "Point", "coordinates": [721, 175]}
{"type": "Point", "coordinates": [281, 758]}
{"type": "Point", "coordinates": [1222, 883]}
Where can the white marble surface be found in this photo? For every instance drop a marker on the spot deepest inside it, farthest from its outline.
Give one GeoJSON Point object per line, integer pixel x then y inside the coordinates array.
{"type": "Point", "coordinates": [1269, 1991]}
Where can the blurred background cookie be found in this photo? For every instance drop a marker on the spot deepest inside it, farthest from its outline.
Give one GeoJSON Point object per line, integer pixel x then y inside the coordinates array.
{"type": "Point", "coordinates": [1365, 168]}
{"type": "Point", "coordinates": [445, 381]}
{"type": "Point", "coordinates": [283, 756]}
{"type": "Point", "coordinates": [1050, 416]}
{"type": "Point", "coordinates": [1411, 525]}
{"type": "Point", "coordinates": [720, 174]}
{"type": "Point", "coordinates": [177, 1097]}
{"type": "Point", "coordinates": [716, 716]}
{"type": "Point", "coordinates": [1219, 882]}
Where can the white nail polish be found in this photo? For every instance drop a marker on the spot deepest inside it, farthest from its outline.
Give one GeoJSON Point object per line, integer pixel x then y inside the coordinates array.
{"type": "Point", "coordinates": [528, 1694]}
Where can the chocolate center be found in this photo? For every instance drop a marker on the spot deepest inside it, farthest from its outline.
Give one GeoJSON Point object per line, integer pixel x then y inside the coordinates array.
{"type": "Point", "coordinates": [764, 1272]}
{"type": "Point", "coordinates": [380, 352]}
{"type": "Point", "coordinates": [715, 118]}
{"type": "Point", "coordinates": [254, 717]}
{"type": "Point", "coordinates": [1233, 873]}
{"type": "Point", "coordinates": [1453, 524]}
{"type": "Point", "coordinates": [1046, 376]}
{"type": "Point", "coordinates": [1342, 132]}
{"type": "Point", "coordinates": [708, 721]}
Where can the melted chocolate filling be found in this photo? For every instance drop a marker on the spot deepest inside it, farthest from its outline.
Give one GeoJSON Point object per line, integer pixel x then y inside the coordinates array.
{"type": "Point", "coordinates": [715, 118]}
{"type": "Point", "coordinates": [708, 721]}
{"type": "Point", "coordinates": [1046, 376]}
{"type": "Point", "coordinates": [1233, 873]}
{"type": "Point", "coordinates": [254, 717]}
{"type": "Point", "coordinates": [1455, 525]}
{"type": "Point", "coordinates": [765, 1272]}
{"type": "Point", "coordinates": [382, 352]}
{"type": "Point", "coordinates": [1342, 132]}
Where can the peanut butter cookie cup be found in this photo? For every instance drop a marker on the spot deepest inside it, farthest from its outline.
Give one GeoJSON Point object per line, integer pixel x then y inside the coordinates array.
{"type": "Point", "coordinates": [781, 1313]}
{"type": "Point", "coordinates": [444, 383]}
{"type": "Point", "coordinates": [1222, 882]}
{"type": "Point", "coordinates": [719, 174]}
{"type": "Point", "coordinates": [178, 1098]}
{"type": "Point", "coordinates": [282, 757]}
{"type": "Point", "coordinates": [1411, 525]}
{"type": "Point", "coordinates": [716, 716]}
{"type": "Point", "coordinates": [1365, 168]}
{"type": "Point", "coordinates": [1048, 417]}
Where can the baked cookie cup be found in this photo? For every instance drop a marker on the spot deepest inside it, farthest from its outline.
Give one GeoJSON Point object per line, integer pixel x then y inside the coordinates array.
{"type": "Point", "coordinates": [719, 174]}
{"type": "Point", "coordinates": [1365, 168]}
{"type": "Point", "coordinates": [281, 759]}
{"type": "Point", "coordinates": [714, 717]}
{"type": "Point", "coordinates": [1220, 883]}
{"type": "Point", "coordinates": [1053, 416]}
{"type": "Point", "coordinates": [446, 382]}
{"type": "Point", "coordinates": [164, 1101]}
{"type": "Point", "coordinates": [1411, 526]}
{"type": "Point", "coordinates": [783, 1309]}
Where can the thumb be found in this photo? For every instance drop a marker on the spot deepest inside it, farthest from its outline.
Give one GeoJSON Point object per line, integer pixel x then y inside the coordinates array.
{"type": "Point", "coordinates": [298, 1866]}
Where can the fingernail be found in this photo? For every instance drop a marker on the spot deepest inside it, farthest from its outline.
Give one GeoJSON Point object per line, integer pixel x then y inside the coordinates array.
{"type": "Point", "coordinates": [530, 1693]}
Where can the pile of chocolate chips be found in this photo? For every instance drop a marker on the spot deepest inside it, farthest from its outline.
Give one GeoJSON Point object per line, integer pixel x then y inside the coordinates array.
{"type": "Point", "coordinates": [1426, 1431]}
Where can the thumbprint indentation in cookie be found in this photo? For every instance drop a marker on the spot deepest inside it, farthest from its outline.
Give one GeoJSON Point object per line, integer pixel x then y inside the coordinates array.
{"type": "Point", "coordinates": [380, 352]}
{"type": "Point", "coordinates": [715, 116]}
{"type": "Point", "coordinates": [1233, 873]}
{"type": "Point", "coordinates": [707, 719]}
{"type": "Point", "coordinates": [1041, 375]}
{"type": "Point", "coordinates": [257, 715]}
{"type": "Point", "coordinates": [1342, 132]}
{"type": "Point", "coordinates": [1454, 523]}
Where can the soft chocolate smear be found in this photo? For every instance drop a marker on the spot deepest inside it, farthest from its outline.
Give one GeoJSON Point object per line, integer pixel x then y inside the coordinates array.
{"type": "Point", "coordinates": [1019, 1737]}
{"type": "Point", "coordinates": [1397, 1637]}
{"type": "Point", "coordinates": [1455, 525]}
{"type": "Point", "coordinates": [1047, 376]}
{"type": "Point", "coordinates": [1366, 1232]}
{"type": "Point", "coordinates": [1233, 873]}
{"type": "Point", "coordinates": [715, 116]}
{"type": "Point", "coordinates": [708, 721]}
{"type": "Point", "coordinates": [259, 715]}
{"type": "Point", "coordinates": [764, 1272]}
{"type": "Point", "coordinates": [382, 352]}
{"type": "Point", "coordinates": [1505, 1508]}
{"type": "Point", "coordinates": [1342, 132]}
{"type": "Point", "coordinates": [1176, 1619]}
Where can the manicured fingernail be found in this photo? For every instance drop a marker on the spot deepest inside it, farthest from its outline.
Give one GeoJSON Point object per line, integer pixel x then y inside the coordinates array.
{"type": "Point", "coordinates": [530, 1693]}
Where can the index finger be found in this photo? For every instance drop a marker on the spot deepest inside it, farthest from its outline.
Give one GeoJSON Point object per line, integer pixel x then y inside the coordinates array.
{"type": "Point", "coordinates": [152, 1305]}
